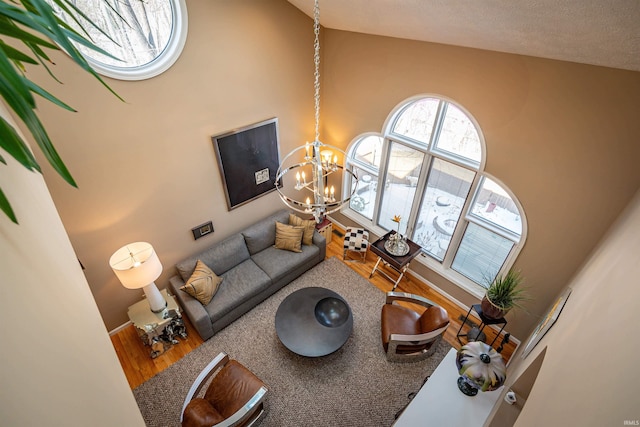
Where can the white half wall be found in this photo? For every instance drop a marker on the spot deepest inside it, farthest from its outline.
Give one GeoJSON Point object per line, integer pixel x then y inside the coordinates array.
{"type": "Point", "coordinates": [57, 364]}
{"type": "Point", "coordinates": [588, 376]}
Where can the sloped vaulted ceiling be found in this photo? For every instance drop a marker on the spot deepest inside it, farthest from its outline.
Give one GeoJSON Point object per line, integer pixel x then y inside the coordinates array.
{"type": "Point", "coordinates": [596, 32]}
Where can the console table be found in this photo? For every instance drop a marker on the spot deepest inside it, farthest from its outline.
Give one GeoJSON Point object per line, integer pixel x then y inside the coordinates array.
{"type": "Point", "coordinates": [440, 403]}
{"type": "Point", "coordinates": [398, 263]}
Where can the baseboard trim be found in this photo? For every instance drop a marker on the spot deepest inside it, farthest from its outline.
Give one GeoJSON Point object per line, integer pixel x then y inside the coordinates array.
{"type": "Point", "coordinates": [119, 328]}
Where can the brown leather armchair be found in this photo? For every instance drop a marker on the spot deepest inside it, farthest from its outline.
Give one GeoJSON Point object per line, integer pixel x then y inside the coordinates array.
{"type": "Point", "coordinates": [235, 396]}
{"type": "Point", "coordinates": [408, 336]}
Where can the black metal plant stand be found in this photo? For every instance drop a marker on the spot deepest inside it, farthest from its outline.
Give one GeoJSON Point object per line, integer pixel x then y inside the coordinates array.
{"type": "Point", "coordinates": [476, 334]}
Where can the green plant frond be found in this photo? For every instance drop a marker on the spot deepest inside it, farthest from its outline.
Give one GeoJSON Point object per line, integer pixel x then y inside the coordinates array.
{"type": "Point", "coordinates": [47, 23]}
{"type": "Point", "coordinates": [2, 160]}
{"type": "Point", "coordinates": [75, 36]}
{"type": "Point", "coordinates": [26, 113]}
{"type": "Point", "coordinates": [16, 56]}
{"type": "Point", "coordinates": [66, 6]}
{"type": "Point", "coordinates": [46, 95]}
{"type": "Point", "coordinates": [6, 207]}
{"type": "Point", "coordinates": [13, 83]}
{"type": "Point", "coordinates": [10, 29]}
{"type": "Point", "coordinates": [34, 23]}
{"type": "Point", "coordinates": [24, 17]}
{"type": "Point", "coordinates": [44, 142]}
{"type": "Point", "coordinates": [63, 37]}
{"type": "Point", "coordinates": [11, 142]}
{"type": "Point", "coordinates": [506, 291]}
{"type": "Point", "coordinates": [42, 56]}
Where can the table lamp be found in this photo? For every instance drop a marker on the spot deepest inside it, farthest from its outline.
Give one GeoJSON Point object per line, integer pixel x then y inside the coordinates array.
{"type": "Point", "coordinates": [137, 266]}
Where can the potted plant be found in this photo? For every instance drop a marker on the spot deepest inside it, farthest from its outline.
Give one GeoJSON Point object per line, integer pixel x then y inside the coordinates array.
{"type": "Point", "coordinates": [504, 293]}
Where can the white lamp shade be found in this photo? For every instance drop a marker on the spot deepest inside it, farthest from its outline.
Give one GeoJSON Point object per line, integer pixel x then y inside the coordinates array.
{"type": "Point", "coordinates": [136, 265]}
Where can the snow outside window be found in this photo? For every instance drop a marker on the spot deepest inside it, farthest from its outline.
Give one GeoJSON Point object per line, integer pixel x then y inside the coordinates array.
{"type": "Point", "coordinates": [428, 167]}
{"type": "Point", "coordinates": [146, 36]}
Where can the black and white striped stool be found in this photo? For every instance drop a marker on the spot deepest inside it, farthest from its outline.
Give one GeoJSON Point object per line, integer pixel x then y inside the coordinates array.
{"type": "Point", "coordinates": [356, 240]}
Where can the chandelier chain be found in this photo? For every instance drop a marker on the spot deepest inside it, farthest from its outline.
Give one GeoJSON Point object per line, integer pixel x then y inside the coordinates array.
{"type": "Point", "coordinates": [316, 62]}
{"type": "Point", "coordinates": [323, 160]}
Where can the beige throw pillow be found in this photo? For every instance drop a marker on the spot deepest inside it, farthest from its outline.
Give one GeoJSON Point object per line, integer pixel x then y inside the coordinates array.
{"type": "Point", "coordinates": [289, 237]}
{"type": "Point", "coordinates": [309, 227]}
{"type": "Point", "coordinates": [203, 283]}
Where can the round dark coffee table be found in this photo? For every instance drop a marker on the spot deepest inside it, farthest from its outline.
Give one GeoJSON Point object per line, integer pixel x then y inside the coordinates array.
{"type": "Point", "coordinates": [314, 322]}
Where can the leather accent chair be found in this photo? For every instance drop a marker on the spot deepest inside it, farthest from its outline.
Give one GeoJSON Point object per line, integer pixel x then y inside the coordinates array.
{"type": "Point", "coordinates": [235, 396]}
{"type": "Point", "coordinates": [408, 336]}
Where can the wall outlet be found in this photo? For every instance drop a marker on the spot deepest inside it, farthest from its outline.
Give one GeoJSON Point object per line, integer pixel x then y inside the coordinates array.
{"type": "Point", "coordinates": [202, 230]}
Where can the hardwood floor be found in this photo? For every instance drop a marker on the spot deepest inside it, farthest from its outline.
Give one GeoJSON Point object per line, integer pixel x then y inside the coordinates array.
{"type": "Point", "coordinates": [138, 366]}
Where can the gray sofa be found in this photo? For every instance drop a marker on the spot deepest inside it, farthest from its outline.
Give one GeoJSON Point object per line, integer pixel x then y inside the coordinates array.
{"type": "Point", "coordinates": [252, 269]}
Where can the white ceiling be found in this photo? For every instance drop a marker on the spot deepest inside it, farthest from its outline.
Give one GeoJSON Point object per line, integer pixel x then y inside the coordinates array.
{"type": "Point", "coordinates": [597, 32]}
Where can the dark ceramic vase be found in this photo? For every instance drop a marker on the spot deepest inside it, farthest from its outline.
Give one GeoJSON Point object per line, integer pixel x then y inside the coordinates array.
{"type": "Point", "coordinates": [491, 310]}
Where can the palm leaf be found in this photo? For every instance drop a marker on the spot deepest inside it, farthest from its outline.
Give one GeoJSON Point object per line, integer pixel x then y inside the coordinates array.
{"type": "Point", "coordinates": [37, 27]}
{"type": "Point", "coordinates": [9, 28]}
{"type": "Point", "coordinates": [15, 55]}
{"type": "Point", "coordinates": [63, 37]}
{"type": "Point", "coordinates": [46, 95]}
{"type": "Point", "coordinates": [6, 207]}
{"type": "Point", "coordinates": [67, 6]}
{"type": "Point", "coordinates": [13, 144]}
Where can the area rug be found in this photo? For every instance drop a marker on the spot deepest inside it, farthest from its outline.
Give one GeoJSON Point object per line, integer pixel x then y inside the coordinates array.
{"type": "Point", "coordinates": [355, 386]}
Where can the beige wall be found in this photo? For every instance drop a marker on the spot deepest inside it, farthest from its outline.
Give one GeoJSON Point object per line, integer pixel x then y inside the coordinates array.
{"type": "Point", "coordinates": [147, 168]}
{"type": "Point", "coordinates": [588, 376]}
{"type": "Point", "coordinates": [57, 364]}
{"type": "Point", "coordinates": [562, 136]}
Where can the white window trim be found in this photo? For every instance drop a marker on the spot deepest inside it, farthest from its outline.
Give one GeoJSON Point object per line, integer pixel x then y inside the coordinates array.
{"type": "Point", "coordinates": [163, 62]}
{"type": "Point", "coordinates": [444, 268]}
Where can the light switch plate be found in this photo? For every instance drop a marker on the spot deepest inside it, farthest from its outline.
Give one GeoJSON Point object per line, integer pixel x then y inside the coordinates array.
{"type": "Point", "coordinates": [202, 230]}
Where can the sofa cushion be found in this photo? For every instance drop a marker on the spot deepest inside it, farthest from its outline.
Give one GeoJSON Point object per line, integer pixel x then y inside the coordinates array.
{"type": "Point", "coordinates": [309, 227]}
{"type": "Point", "coordinates": [288, 237]}
{"type": "Point", "coordinates": [262, 234]}
{"type": "Point", "coordinates": [220, 258]}
{"type": "Point", "coordinates": [277, 263]}
{"type": "Point", "coordinates": [203, 283]}
{"type": "Point", "coordinates": [240, 284]}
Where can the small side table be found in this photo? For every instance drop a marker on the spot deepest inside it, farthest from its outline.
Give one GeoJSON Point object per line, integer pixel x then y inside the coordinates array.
{"type": "Point", "coordinates": [158, 330]}
{"type": "Point", "coordinates": [325, 228]}
{"type": "Point", "coordinates": [398, 263]}
{"type": "Point", "coordinates": [484, 321]}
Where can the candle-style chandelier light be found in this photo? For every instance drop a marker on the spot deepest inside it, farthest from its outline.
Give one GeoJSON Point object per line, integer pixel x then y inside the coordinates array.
{"type": "Point", "coordinates": [316, 172]}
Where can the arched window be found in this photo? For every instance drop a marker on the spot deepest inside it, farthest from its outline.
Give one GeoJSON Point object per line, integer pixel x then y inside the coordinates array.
{"type": "Point", "coordinates": [146, 37]}
{"type": "Point", "coordinates": [428, 167]}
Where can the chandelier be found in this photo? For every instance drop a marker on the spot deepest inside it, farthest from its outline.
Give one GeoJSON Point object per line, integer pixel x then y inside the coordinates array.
{"type": "Point", "coordinates": [317, 171]}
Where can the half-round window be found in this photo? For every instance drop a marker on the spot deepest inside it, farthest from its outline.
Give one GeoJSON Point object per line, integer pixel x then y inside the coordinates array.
{"type": "Point", "coordinates": [145, 38]}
